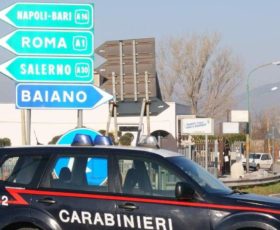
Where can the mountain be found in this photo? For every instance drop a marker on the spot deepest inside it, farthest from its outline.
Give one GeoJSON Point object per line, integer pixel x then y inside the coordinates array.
{"type": "Point", "coordinates": [261, 98]}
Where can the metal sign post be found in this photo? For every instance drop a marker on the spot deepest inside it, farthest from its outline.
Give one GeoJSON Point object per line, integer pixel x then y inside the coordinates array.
{"type": "Point", "coordinates": [134, 70]}
{"type": "Point", "coordinates": [79, 118]}
{"type": "Point", "coordinates": [206, 152]}
{"type": "Point", "coordinates": [113, 109]}
{"type": "Point", "coordinates": [147, 104]}
{"type": "Point", "coordinates": [28, 126]}
{"type": "Point", "coordinates": [23, 127]}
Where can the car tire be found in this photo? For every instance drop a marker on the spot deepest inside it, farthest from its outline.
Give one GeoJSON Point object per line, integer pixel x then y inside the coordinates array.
{"type": "Point", "coordinates": [257, 167]}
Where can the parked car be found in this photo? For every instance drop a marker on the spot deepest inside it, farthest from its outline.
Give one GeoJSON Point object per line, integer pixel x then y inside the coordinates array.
{"type": "Point", "coordinates": [259, 161]}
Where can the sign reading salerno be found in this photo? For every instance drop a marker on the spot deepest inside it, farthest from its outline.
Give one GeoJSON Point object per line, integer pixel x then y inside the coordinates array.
{"type": "Point", "coordinates": [49, 69]}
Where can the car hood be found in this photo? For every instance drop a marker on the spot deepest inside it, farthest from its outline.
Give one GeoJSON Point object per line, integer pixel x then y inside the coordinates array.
{"type": "Point", "coordinates": [243, 199]}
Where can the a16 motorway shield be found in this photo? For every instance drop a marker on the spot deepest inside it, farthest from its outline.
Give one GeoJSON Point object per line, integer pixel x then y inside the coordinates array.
{"type": "Point", "coordinates": [49, 69]}
{"type": "Point", "coordinates": [49, 15]}
{"type": "Point", "coordinates": [59, 96]}
{"type": "Point", "coordinates": [49, 42]}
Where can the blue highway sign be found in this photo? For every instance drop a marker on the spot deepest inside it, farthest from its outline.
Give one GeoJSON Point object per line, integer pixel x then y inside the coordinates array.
{"type": "Point", "coordinates": [59, 96]}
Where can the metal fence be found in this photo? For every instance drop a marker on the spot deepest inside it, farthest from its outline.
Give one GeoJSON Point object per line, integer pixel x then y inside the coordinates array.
{"type": "Point", "coordinates": [198, 154]}
{"type": "Point", "coordinates": [215, 157]}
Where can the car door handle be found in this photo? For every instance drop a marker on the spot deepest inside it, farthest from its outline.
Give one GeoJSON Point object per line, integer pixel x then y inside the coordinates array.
{"type": "Point", "coordinates": [46, 201]}
{"type": "Point", "coordinates": [128, 206]}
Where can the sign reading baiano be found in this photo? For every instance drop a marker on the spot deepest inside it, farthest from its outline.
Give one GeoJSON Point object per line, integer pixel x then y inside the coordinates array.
{"type": "Point", "coordinates": [66, 96]}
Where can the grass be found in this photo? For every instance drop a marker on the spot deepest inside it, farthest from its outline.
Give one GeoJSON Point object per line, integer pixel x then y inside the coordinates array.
{"type": "Point", "coordinates": [263, 189]}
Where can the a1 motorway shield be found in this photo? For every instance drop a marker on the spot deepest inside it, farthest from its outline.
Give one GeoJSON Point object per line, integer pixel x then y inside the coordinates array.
{"type": "Point", "coordinates": [59, 96]}
{"type": "Point", "coordinates": [49, 15]}
{"type": "Point", "coordinates": [49, 42]}
{"type": "Point", "coordinates": [49, 69]}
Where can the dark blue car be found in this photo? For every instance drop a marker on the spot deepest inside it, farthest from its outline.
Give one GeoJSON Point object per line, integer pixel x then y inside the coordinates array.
{"type": "Point", "coordinates": [54, 187]}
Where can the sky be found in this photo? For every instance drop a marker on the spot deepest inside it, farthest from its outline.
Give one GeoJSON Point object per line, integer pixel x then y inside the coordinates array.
{"type": "Point", "coordinates": [250, 28]}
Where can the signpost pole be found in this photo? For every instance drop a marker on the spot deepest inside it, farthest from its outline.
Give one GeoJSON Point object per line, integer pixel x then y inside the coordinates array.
{"type": "Point", "coordinates": [141, 120]}
{"type": "Point", "coordinates": [216, 157]}
{"type": "Point", "coordinates": [121, 70]}
{"type": "Point", "coordinates": [147, 105]}
{"type": "Point", "coordinates": [28, 126]}
{"type": "Point", "coordinates": [206, 152]}
{"type": "Point", "coordinates": [134, 70]}
{"type": "Point", "coordinates": [114, 109]}
{"type": "Point", "coordinates": [111, 106]}
{"type": "Point", "coordinates": [23, 127]}
{"type": "Point", "coordinates": [80, 118]}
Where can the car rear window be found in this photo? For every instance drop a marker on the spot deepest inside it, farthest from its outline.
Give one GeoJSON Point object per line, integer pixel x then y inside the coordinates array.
{"type": "Point", "coordinates": [21, 169]}
{"type": "Point", "coordinates": [256, 156]}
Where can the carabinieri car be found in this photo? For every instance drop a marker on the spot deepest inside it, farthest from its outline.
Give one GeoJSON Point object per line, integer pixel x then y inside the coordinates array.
{"type": "Point", "coordinates": [109, 187]}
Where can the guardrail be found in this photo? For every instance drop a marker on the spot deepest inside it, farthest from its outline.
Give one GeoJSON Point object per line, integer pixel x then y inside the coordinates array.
{"type": "Point", "coordinates": [247, 182]}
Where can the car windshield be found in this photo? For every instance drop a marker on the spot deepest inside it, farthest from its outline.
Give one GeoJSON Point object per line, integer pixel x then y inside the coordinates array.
{"type": "Point", "coordinates": [255, 156]}
{"type": "Point", "coordinates": [208, 182]}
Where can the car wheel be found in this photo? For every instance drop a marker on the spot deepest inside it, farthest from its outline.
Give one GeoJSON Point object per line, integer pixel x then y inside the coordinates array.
{"type": "Point", "coordinates": [258, 167]}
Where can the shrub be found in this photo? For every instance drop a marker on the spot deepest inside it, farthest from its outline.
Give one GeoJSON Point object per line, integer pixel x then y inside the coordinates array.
{"type": "Point", "coordinates": [5, 142]}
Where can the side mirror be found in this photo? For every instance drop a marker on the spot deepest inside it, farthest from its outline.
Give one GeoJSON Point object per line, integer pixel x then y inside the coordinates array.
{"type": "Point", "coordinates": [183, 191]}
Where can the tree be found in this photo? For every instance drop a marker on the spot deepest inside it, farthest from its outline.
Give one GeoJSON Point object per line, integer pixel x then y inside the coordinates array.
{"type": "Point", "coordinates": [167, 67]}
{"type": "Point", "coordinates": [126, 139]}
{"type": "Point", "coordinates": [197, 71]}
{"type": "Point", "coordinates": [263, 121]}
{"type": "Point", "coordinates": [5, 142]}
{"type": "Point", "coordinates": [221, 81]}
{"type": "Point", "coordinates": [111, 135]}
{"type": "Point", "coordinates": [54, 140]}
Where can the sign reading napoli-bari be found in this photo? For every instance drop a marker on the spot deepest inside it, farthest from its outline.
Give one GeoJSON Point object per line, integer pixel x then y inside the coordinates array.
{"type": "Point", "coordinates": [49, 42]}
{"type": "Point", "coordinates": [49, 69]}
{"type": "Point", "coordinates": [59, 96]}
{"type": "Point", "coordinates": [49, 15]}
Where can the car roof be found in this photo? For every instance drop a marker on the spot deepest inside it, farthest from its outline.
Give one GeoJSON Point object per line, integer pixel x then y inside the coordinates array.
{"type": "Point", "coordinates": [161, 152]}
{"type": "Point", "coordinates": [260, 153]}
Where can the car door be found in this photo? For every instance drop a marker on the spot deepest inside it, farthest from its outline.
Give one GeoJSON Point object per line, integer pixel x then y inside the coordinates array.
{"type": "Point", "coordinates": [147, 197]}
{"type": "Point", "coordinates": [74, 191]}
{"type": "Point", "coordinates": [269, 161]}
{"type": "Point", "coordinates": [264, 161]}
{"type": "Point", "coordinates": [20, 172]}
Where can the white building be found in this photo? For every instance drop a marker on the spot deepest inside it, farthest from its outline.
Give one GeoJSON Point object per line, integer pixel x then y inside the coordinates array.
{"type": "Point", "coordinates": [49, 123]}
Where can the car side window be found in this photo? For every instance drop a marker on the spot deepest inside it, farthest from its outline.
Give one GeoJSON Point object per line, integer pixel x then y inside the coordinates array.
{"type": "Point", "coordinates": [84, 173]}
{"type": "Point", "coordinates": [21, 169]}
{"type": "Point", "coordinates": [146, 177]}
{"type": "Point", "coordinates": [264, 157]}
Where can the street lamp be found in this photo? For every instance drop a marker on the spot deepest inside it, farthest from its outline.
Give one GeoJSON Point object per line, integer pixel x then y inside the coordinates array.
{"type": "Point", "coordinates": [274, 88]}
{"type": "Point", "coordinates": [248, 107]}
